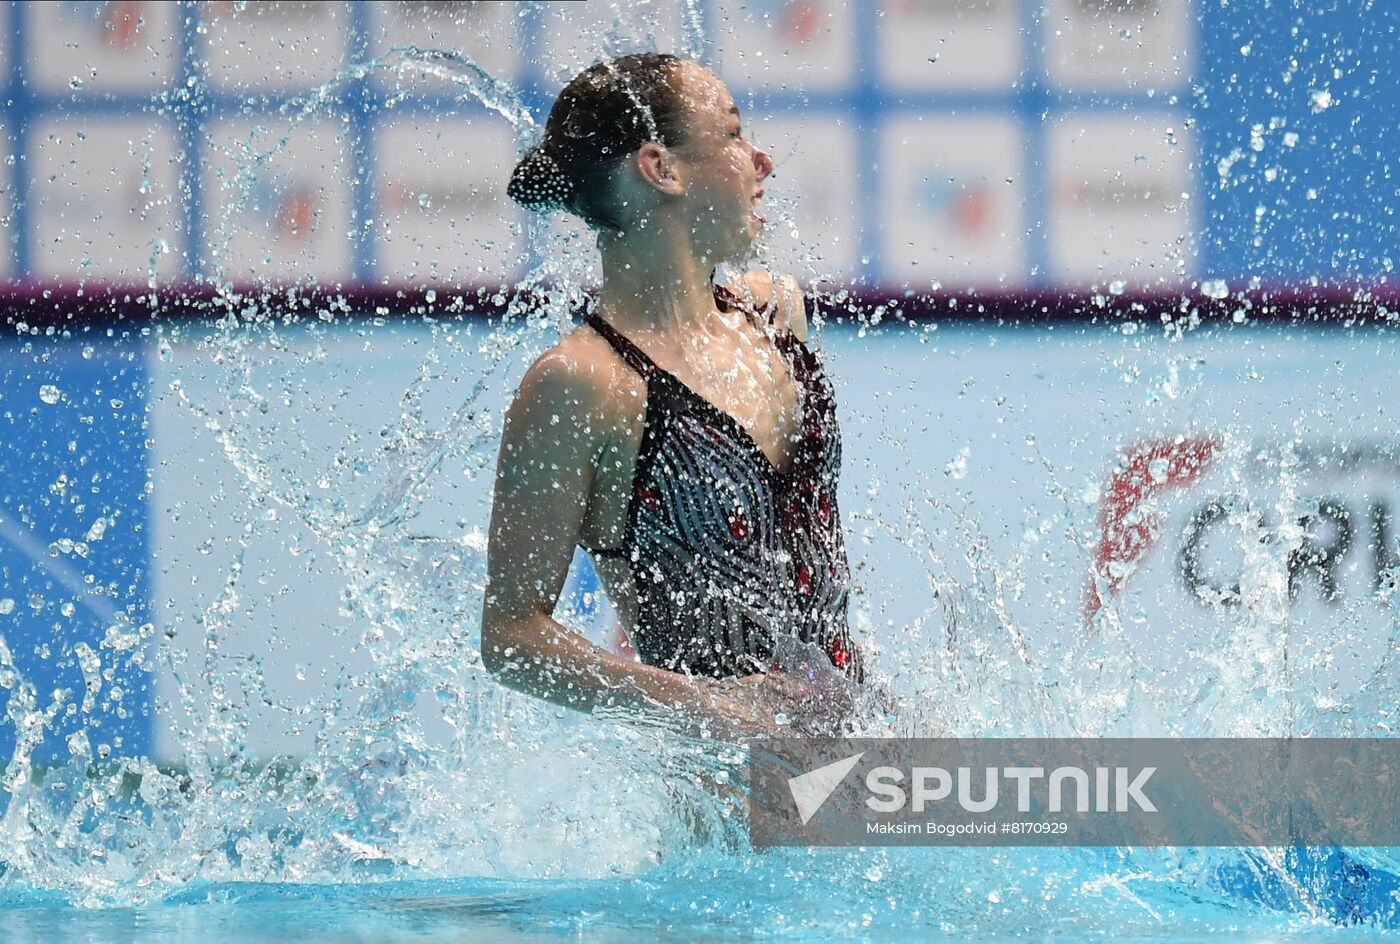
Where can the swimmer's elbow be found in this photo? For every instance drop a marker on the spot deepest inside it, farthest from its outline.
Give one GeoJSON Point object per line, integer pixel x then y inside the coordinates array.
{"type": "Point", "coordinates": [528, 656]}
{"type": "Point", "coordinates": [508, 645]}
{"type": "Point", "coordinates": [500, 647]}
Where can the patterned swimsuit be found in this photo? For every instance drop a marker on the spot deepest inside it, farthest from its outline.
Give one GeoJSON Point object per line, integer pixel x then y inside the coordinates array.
{"type": "Point", "coordinates": [724, 548]}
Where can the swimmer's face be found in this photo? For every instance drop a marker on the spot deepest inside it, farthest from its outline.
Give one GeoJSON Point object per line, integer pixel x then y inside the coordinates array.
{"type": "Point", "coordinates": [723, 171]}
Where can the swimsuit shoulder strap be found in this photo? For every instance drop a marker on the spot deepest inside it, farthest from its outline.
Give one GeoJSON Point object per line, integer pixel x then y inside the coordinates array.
{"type": "Point", "coordinates": [635, 357]}
{"type": "Point", "coordinates": [729, 300]}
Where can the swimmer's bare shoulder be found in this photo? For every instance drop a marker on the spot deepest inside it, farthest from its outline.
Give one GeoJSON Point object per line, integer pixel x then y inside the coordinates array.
{"type": "Point", "coordinates": [616, 391]}
{"type": "Point", "coordinates": [589, 389]}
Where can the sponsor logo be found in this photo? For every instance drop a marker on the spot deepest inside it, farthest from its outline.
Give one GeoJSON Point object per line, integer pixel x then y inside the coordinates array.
{"type": "Point", "coordinates": [424, 197]}
{"type": "Point", "coordinates": [1331, 527]}
{"type": "Point", "coordinates": [950, 9]}
{"type": "Point", "coordinates": [966, 206]}
{"type": "Point", "coordinates": [1120, 195]}
{"type": "Point", "coordinates": [291, 206]}
{"type": "Point", "coordinates": [799, 20]}
{"type": "Point", "coordinates": [1131, 8]}
{"type": "Point", "coordinates": [117, 25]}
{"type": "Point", "coordinates": [1337, 520]}
{"type": "Point", "coordinates": [1128, 529]}
{"type": "Point", "coordinates": [275, 9]}
{"type": "Point", "coordinates": [455, 11]}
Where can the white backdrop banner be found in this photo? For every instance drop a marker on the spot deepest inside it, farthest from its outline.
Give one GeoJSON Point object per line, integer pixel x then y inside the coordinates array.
{"type": "Point", "coordinates": [1170, 486]}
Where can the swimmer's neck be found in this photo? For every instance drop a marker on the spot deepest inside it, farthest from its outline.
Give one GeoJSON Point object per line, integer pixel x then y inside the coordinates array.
{"type": "Point", "coordinates": [654, 282]}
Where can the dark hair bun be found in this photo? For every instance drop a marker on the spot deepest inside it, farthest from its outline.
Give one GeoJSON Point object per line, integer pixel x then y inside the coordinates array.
{"type": "Point", "coordinates": [539, 183]}
{"type": "Point", "coordinates": [603, 114]}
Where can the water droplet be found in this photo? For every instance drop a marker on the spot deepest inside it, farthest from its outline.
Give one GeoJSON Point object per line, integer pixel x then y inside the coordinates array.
{"type": "Point", "coordinates": [957, 468]}
{"type": "Point", "coordinates": [1320, 100]}
{"type": "Point", "coordinates": [1215, 288]}
{"type": "Point", "coordinates": [49, 394]}
{"type": "Point", "coordinates": [120, 638]}
{"type": "Point", "coordinates": [7, 606]}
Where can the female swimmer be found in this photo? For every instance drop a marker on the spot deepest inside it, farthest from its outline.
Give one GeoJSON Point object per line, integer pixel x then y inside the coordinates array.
{"type": "Point", "coordinates": [684, 435]}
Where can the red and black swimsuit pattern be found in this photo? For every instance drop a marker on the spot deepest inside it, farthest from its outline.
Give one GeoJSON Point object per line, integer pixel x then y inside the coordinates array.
{"type": "Point", "coordinates": [725, 549]}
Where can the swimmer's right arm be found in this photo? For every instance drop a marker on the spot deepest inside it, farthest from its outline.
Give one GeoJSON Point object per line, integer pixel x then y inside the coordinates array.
{"type": "Point", "coordinates": [555, 431]}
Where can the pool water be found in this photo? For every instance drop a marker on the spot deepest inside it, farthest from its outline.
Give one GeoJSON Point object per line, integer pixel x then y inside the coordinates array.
{"type": "Point", "coordinates": [796, 897]}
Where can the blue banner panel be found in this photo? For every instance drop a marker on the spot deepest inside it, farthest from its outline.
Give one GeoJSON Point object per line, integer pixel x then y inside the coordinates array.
{"type": "Point", "coordinates": [75, 586]}
{"type": "Point", "coordinates": [1297, 164]}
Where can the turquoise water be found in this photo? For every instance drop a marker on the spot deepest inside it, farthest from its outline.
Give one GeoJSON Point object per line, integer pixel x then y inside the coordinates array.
{"type": "Point", "coordinates": [793, 897]}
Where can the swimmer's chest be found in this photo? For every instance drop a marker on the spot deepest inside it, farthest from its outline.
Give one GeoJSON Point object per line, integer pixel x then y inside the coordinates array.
{"type": "Point", "coordinates": [763, 434]}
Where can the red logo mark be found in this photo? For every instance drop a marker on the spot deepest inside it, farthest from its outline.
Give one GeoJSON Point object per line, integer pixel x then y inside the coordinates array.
{"type": "Point", "coordinates": [296, 215]}
{"type": "Point", "coordinates": [1127, 531]}
{"type": "Point", "coordinates": [972, 213]}
{"type": "Point", "coordinates": [123, 25]}
{"type": "Point", "coordinates": [802, 21]}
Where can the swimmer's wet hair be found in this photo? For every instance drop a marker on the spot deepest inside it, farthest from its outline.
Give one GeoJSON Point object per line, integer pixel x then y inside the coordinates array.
{"type": "Point", "coordinates": [604, 114]}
